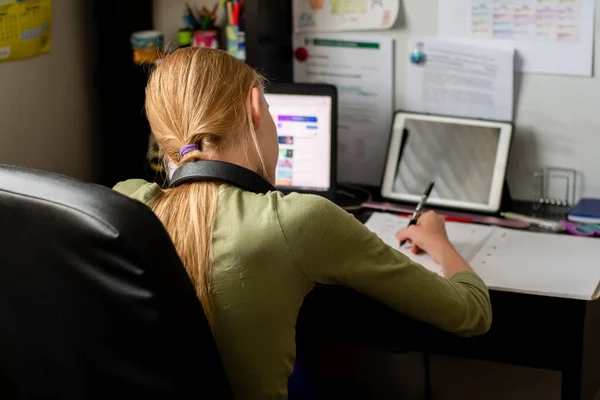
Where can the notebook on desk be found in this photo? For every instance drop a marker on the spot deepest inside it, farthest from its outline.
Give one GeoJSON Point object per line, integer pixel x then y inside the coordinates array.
{"type": "Point", "coordinates": [512, 260]}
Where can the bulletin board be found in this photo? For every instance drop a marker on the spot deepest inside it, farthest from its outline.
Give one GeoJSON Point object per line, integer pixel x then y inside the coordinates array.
{"type": "Point", "coordinates": [557, 118]}
{"type": "Point", "coordinates": [25, 28]}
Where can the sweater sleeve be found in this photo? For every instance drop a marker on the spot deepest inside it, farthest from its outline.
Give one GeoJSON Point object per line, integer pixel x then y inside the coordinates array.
{"type": "Point", "coordinates": [140, 190]}
{"type": "Point", "coordinates": [333, 247]}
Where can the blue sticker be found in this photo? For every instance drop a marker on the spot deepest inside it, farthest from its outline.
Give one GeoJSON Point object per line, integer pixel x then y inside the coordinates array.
{"type": "Point", "coordinates": [417, 56]}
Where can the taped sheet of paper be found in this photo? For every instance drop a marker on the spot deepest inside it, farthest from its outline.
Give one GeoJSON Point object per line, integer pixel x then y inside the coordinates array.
{"type": "Point", "coordinates": [461, 80]}
{"type": "Point", "coordinates": [344, 15]}
{"type": "Point", "coordinates": [361, 67]}
{"type": "Point", "coordinates": [551, 36]}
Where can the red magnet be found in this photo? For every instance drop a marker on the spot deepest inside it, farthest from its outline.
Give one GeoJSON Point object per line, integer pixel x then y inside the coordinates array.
{"type": "Point", "coordinates": [301, 54]}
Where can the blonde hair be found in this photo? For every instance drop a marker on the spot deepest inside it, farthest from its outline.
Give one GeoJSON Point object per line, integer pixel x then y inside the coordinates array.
{"type": "Point", "coordinates": [199, 96]}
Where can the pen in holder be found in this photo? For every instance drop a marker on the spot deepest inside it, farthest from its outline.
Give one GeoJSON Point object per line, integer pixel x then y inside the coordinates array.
{"type": "Point", "coordinates": [234, 31]}
{"type": "Point", "coordinates": [202, 23]}
{"type": "Point", "coordinates": [236, 42]}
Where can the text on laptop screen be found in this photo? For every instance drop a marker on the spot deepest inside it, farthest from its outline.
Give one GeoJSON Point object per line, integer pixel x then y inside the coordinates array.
{"type": "Point", "coordinates": [459, 158]}
{"type": "Point", "coordinates": [304, 129]}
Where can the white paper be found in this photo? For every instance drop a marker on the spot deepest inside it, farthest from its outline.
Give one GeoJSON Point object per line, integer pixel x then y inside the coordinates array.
{"type": "Point", "coordinates": [550, 36]}
{"type": "Point", "coordinates": [540, 263]}
{"type": "Point", "coordinates": [513, 260]}
{"type": "Point", "coordinates": [361, 67]}
{"type": "Point", "coordinates": [344, 15]}
{"type": "Point", "coordinates": [466, 238]}
{"type": "Point", "coordinates": [461, 80]}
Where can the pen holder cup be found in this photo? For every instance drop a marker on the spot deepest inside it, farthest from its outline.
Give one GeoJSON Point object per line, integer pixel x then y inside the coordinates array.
{"type": "Point", "coordinates": [236, 42]}
{"type": "Point", "coordinates": [208, 39]}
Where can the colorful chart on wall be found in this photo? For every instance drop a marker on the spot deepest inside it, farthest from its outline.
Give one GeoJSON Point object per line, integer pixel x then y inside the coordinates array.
{"type": "Point", "coordinates": [25, 28]}
{"type": "Point", "coordinates": [344, 15]}
{"type": "Point", "coordinates": [550, 36]}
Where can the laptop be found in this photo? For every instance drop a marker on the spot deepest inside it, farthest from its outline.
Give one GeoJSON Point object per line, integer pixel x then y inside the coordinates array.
{"type": "Point", "coordinates": [306, 120]}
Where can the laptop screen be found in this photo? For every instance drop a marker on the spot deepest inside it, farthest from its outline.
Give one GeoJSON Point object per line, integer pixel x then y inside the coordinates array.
{"type": "Point", "coordinates": [304, 129]}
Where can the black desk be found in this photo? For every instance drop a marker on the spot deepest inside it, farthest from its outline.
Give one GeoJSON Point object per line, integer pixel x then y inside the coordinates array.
{"type": "Point", "coordinates": [535, 331]}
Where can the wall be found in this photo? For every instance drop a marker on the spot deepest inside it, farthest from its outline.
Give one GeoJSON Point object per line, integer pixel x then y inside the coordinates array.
{"type": "Point", "coordinates": [557, 121]}
{"type": "Point", "coordinates": [556, 116]}
{"type": "Point", "coordinates": [46, 107]}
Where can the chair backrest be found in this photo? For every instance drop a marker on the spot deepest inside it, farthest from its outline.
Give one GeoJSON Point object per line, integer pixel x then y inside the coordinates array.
{"type": "Point", "coordinates": [94, 301]}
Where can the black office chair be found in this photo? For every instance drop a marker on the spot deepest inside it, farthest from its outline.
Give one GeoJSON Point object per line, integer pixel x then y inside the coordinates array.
{"type": "Point", "coordinates": [94, 302]}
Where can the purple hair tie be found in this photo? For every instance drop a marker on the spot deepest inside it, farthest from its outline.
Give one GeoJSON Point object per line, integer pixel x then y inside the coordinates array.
{"type": "Point", "coordinates": [187, 148]}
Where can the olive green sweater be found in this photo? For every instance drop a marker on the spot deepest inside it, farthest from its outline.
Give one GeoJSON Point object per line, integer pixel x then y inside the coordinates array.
{"type": "Point", "coordinates": [269, 251]}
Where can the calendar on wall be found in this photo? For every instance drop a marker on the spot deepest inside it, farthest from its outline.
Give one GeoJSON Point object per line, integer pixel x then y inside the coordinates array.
{"type": "Point", "coordinates": [25, 28]}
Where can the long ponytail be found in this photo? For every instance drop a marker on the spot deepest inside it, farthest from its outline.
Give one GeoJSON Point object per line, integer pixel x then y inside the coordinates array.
{"type": "Point", "coordinates": [198, 96]}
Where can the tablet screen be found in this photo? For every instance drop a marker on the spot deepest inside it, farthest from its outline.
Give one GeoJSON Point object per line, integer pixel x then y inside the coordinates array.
{"type": "Point", "coordinates": [466, 158]}
{"type": "Point", "coordinates": [459, 158]}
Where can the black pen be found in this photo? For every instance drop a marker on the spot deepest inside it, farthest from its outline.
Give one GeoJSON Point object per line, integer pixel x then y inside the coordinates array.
{"type": "Point", "coordinates": [417, 213]}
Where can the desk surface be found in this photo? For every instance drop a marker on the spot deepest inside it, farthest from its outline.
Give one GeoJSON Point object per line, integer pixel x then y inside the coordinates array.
{"type": "Point", "coordinates": [355, 195]}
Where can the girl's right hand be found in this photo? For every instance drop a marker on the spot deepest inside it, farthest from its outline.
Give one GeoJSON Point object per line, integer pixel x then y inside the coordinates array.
{"type": "Point", "coordinates": [429, 235]}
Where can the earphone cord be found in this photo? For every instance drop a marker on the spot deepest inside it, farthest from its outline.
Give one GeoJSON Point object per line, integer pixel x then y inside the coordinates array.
{"type": "Point", "coordinates": [347, 189]}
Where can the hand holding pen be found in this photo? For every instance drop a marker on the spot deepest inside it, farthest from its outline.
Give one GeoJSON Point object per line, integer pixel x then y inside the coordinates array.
{"type": "Point", "coordinates": [417, 213]}
{"type": "Point", "coordinates": [427, 233]}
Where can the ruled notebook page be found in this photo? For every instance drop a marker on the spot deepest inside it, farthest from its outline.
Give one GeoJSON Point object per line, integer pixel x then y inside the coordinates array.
{"type": "Point", "coordinates": [513, 260]}
{"type": "Point", "coordinates": [540, 263]}
{"type": "Point", "coordinates": [468, 239]}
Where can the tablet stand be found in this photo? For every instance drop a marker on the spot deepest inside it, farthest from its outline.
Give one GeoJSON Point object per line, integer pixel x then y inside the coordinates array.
{"type": "Point", "coordinates": [506, 202]}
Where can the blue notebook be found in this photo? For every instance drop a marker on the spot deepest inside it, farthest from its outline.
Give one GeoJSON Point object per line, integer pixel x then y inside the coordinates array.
{"type": "Point", "coordinates": [587, 211]}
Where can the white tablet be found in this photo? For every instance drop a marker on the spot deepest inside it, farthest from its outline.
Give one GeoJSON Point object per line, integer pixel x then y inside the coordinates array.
{"type": "Point", "coordinates": [466, 158]}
